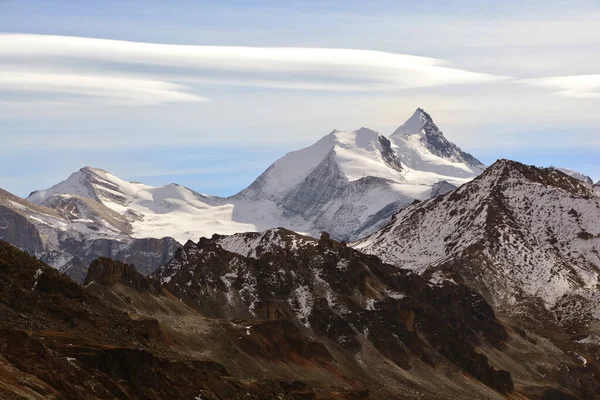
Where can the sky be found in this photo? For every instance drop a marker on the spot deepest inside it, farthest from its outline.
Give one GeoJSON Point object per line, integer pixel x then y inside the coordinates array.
{"type": "Point", "coordinates": [209, 94]}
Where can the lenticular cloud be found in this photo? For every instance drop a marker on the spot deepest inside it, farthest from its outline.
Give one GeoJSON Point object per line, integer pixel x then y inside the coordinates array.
{"type": "Point", "coordinates": [165, 73]}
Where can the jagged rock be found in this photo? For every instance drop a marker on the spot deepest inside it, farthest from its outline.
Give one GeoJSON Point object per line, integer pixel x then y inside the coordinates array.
{"type": "Point", "coordinates": [338, 293]}
{"type": "Point", "coordinates": [59, 340]}
{"type": "Point", "coordinates": [105, 271]}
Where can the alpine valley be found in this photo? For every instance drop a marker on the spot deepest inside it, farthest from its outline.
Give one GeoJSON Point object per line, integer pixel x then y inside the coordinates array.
{"type": "Point", "coordinates": [364, 266]}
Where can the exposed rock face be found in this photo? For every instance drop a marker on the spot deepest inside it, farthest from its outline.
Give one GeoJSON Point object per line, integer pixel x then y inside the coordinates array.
{"type": "Point", "coordinates": [87, 211]}
{"type": "Point", "coordinates": [17, 229]}
{"type": "Point", "coordinates": [439, 145]}
{"type": "Point", "coordinates": [105, 271]}
{"type": "Point", "coordinates": [339, 294]}
{"type": "Point", "coordinates": [322, 185]}
{"type": "Point", "coordinates": [58, 340]}
{"type": "Point", "coordinates": [389, 155]}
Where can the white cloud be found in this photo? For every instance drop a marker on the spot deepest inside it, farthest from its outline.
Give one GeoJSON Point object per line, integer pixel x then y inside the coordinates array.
{"type": "Point", "coordinates": [577, 86]}
{"type": "Point", "coordinates": [148, 73]}
{"type": "Point", "coordinates": [96, 89]}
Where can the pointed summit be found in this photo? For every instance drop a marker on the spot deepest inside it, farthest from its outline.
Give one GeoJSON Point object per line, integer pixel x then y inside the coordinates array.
{"type": "Point", "coordinates": [423, 146]}
{"type": "Point", "coordinates": [88, 182]}
{"type": "Point", "coordinates": [414, 124]}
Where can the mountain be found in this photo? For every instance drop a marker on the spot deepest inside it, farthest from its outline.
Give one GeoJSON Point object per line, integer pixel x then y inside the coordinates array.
{"type": "Point", "coordinates": [423, 147]}
{"type": "Point", "coordinates": [299, 318]}
{"type": "Point", "coordinates": [374, 319]}
{"type": "Point", "coordinates": [519, 235]}
{"type": "Point", "coordinates": [113, 340]}
{"type": "Point", "coordinates": [68, 231]}
{"type": "Point", "coordinates": [577, 175]}
{"type": "Point", "coordinates": [348, 183]}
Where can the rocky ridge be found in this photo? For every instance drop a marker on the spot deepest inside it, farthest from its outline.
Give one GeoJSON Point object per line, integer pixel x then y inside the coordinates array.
{"type": "Point", "coordinates": [517, 234]}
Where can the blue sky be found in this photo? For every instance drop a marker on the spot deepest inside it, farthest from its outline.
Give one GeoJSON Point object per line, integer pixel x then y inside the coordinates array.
{"type": "Point", "coordinates": [260, 78]}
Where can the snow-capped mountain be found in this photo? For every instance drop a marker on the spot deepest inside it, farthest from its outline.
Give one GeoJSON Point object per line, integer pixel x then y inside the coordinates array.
{"type": "Point", "coordinates": [348, 183]}
{"type": "Point", "coordinates": [516, 234]}
{"type": "Point", "coordinates": [151, 212]}
{"type": "Point", "coordinates": [422, 147]}
{"type": "Point", "coordinates": [69, 231]}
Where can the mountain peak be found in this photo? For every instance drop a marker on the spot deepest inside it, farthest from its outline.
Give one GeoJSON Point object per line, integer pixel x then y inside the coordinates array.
{"type": "Point", "coordinates": [551, 176]}
{"type": "Point", "coordinates": [419, 133]}
{"type": "Point", "coordinates": [541, 227]}
{"type": "Point", "coordinates": [87, 182]}
{"type": "Point", "coordinates": [96, 171]}
{"type": "Point", "coordinates": [424, 115]}
{"type": "Point", "coordinates": [414, 124]}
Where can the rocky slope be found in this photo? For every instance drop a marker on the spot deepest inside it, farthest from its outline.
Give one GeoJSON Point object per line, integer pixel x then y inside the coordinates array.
{"type": "Point", "coordinates": [369, 312]}
{"type": "Point", "coordinates": [516, 234]}
{"type": "Point", "coordinates": [59, 340]}
{"type": "Point", "coordinates": [293, 318]}
{"type": "Point", "coordinates": [349, 183]}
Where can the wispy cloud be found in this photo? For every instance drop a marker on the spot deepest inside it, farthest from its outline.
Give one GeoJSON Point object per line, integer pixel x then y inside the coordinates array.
{"type": "Point", "coordinates": [577, 86]}
{"type": "Point", "coordinates": [150, 73]}
{"type": "Point", "coordinates": [94, 88]}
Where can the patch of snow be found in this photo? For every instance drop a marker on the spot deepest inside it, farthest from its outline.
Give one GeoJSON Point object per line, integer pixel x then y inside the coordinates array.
{"type": "Point", "coordinates": [302, 302]}
{"type": "Point", "coordinates": [37, 275]}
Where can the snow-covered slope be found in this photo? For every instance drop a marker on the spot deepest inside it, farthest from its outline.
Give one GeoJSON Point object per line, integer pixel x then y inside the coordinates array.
{"type": "Point", "coordinates": [151, 212]}
{"type": "Point", "coordinates": [577, 175]}
{"type": "Point", "coordinates": [69, 231]}
{"type": "Point", "coordinates": [422, 147]}
{"type": "Point", "coordinates": [515, 234]}
{"type": "Point", "coordinates": [348, 183]}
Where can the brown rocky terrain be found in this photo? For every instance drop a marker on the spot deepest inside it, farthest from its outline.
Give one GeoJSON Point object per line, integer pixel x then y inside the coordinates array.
{"type": "Point", "coordinates": [59, 340]}
{"type": "Point", "coordinates": [299, 319]}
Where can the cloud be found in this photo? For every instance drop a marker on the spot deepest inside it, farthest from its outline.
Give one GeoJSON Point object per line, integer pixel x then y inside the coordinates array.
{"type": "Point", "coordinates": [576, 86]}
{"type": "Point", "coordinates": [95, 89]}
{"type": "Point", "coordinates": [150, 73]}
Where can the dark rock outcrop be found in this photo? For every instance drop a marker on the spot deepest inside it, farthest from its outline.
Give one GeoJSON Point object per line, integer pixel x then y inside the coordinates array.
{"type": "Point", "coordinates": [105, 271]}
